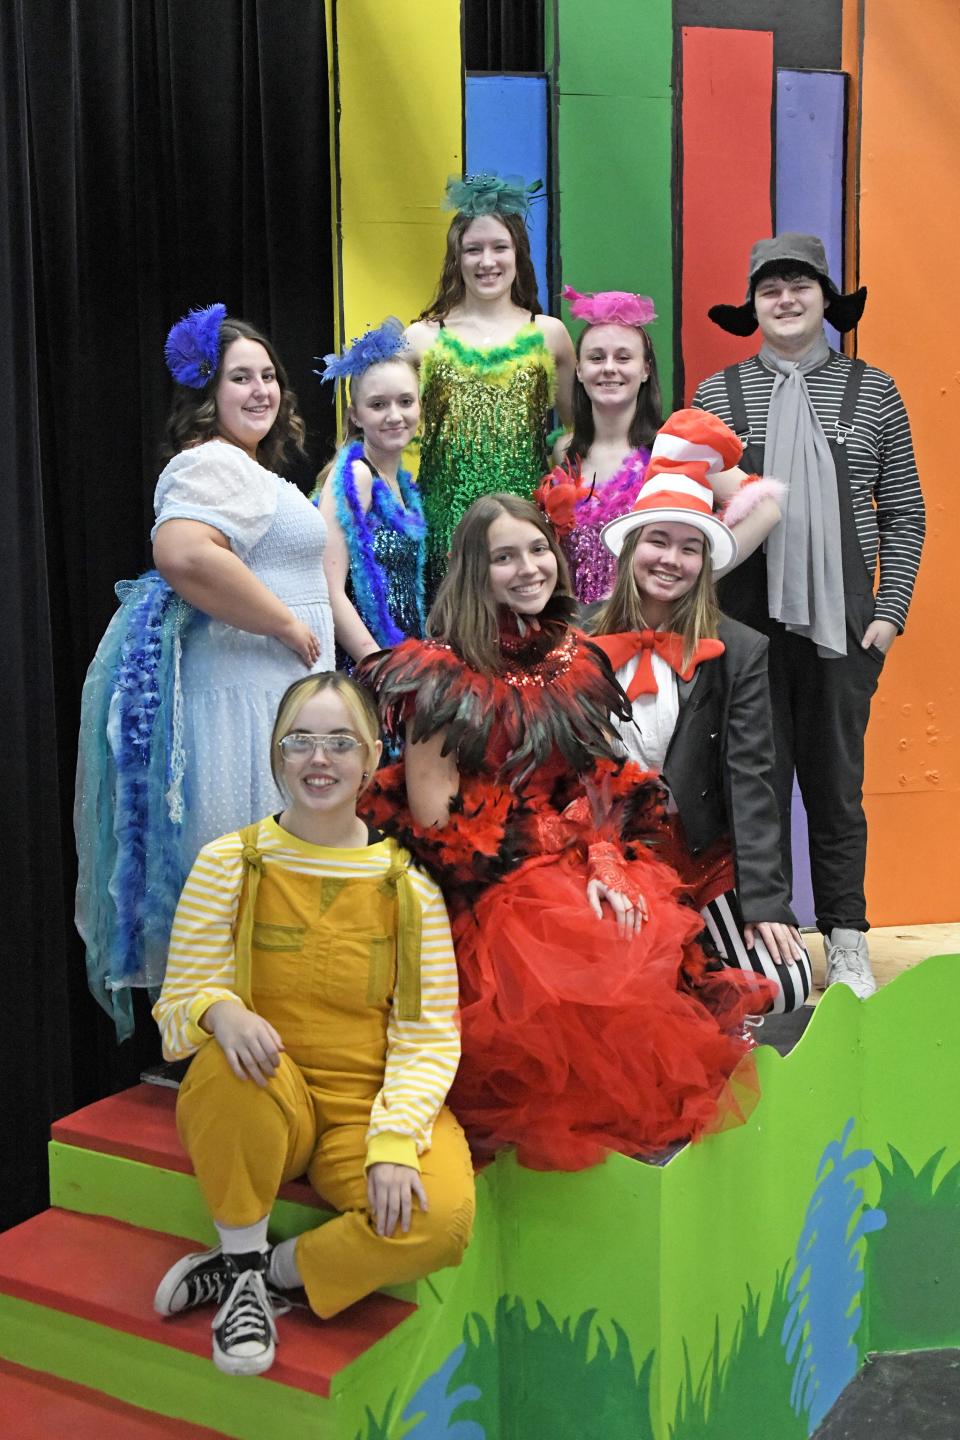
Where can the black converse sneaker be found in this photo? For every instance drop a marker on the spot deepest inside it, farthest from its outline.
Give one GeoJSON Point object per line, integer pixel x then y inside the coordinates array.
{"type": "Point", "coordinates": [244, 1329]}
{"type": "Point", "coordinates": [204, 1279]}
{"type": "Point", "coordinates": [200, 1279]}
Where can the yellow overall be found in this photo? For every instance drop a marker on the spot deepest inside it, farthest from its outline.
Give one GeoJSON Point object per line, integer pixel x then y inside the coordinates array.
{"type": "Point", "coordinates": [323, 971]}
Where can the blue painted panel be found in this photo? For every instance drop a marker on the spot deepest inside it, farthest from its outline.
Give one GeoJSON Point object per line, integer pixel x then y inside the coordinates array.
{"type": "Point", "coordinates": [810, 127]}
{"type": "Point", "coordinates": [507, 133]}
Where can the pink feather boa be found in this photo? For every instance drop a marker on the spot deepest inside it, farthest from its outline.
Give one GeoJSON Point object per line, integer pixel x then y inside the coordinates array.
{"type": "Point", "coordinates": [748, 497]}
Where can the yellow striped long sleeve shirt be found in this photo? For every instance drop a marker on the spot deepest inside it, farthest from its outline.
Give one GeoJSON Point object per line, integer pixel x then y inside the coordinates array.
{"type": "Point", "coordinates": [421, 1055]}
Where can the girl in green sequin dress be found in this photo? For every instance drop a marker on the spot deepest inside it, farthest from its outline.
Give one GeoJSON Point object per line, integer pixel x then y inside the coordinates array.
{"type": "Point", "coordinates": [491, 364]}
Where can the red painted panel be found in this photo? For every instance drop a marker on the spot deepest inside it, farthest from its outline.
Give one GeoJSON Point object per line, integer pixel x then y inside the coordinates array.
{"type": "Point", "coordinates": [38, 1406]}
{"type": "Point", "coordinates": [107, 1272]}
{"type": "Point", "coordinates": [726, 135]}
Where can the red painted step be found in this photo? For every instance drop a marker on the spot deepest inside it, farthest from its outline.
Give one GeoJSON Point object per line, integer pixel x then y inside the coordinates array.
{"type": "Point", "coordinates": [139, 1124]}
{"type": "Point", "coordinates": [39, 1407]}
{"type": "Point", "coordinates": [107, 1272]}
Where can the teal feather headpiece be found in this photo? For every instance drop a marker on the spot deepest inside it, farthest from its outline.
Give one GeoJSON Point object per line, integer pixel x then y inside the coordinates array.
{"type": "Point", "coordinates": [488, 194]}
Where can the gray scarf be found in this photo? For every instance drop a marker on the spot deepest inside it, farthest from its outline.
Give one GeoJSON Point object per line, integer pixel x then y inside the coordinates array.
{"type": "Point", "coordinates": [804, 557]}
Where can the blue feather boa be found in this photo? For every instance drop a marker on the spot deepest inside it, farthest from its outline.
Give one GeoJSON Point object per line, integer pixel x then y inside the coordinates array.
{"type": "Point", "coordinates": [129, 796]}
{"type": "Point", "coordinates": [366, 574]}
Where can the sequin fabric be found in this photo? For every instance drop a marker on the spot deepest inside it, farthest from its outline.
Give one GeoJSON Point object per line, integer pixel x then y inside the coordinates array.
{"type": "Point", "coordinates": [484, 428]}
{"type": "Point", "coordinates": [398, 558]}
{"type": "Point", "coordinates": [592, 568]}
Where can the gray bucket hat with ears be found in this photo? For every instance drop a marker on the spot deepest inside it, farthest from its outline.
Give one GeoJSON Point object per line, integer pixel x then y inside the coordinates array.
{"type": "Point", "coordinates": [808, 254]}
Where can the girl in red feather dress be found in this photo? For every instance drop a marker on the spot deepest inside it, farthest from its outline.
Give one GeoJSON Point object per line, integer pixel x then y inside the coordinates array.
{"type": "Point", "coordinates": [591, 1021]}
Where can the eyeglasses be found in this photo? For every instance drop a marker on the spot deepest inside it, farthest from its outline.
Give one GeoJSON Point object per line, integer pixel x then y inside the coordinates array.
{"type": "Point", "coordinates": [299, 746]}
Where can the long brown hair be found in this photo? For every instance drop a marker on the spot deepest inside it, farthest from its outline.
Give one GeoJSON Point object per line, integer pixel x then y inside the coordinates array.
{"type": "Point", "coordinates": [193, 417]}
{"type": "Point", "coordinates": [695, 615]}
{"type": "Point", "coordinates": [647, 416]}
{"type": "Point", "coordinates": [464, 613]}
{"type": "Point", "coordinates": [450, 286]}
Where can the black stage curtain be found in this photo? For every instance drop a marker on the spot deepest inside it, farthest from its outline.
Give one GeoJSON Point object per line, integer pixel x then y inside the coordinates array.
{"type": "Point", "coordinates": [154, 154]}
{"type": "Point", "coordinates": [503, 35]}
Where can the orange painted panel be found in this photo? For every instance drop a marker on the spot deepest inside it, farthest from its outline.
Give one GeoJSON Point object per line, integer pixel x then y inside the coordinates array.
{"type": "Point", "coordinates": [909, 222]}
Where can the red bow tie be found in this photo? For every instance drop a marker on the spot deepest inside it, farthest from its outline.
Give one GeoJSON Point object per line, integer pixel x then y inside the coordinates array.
{"type": "Point", "coordinates": [668, 645]}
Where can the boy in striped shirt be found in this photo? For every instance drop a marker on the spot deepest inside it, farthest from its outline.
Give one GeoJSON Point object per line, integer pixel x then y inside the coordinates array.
{"type": "Point", "coordinates": [836, 432]}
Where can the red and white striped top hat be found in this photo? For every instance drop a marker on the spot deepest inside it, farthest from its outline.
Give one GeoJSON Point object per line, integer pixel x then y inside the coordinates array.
{"type": "Point", "coordinates": [691, 445]}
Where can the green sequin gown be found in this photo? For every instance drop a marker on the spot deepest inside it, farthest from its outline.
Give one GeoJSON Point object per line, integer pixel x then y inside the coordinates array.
{"type": "Point", "coordinates": [484, 429]}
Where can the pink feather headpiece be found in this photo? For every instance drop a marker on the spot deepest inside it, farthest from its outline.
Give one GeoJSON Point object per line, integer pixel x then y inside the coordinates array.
{"type": "Point", "coordinates": [610, 307]}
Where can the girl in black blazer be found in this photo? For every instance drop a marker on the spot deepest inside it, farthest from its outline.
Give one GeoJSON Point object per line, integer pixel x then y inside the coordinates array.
{"type": "Point", "coordinates": [701, 708]}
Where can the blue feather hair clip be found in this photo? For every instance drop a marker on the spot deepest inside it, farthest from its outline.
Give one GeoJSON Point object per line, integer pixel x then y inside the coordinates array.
{"type": "Point", "coordinates": [192, 351]}
{"type": "Point", "coordinates": [489, 194]}
{"type": "Point", "coordinates": [372, 348]}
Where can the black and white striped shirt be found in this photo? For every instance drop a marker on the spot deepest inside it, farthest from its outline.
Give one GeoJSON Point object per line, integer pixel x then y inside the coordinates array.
{"type": "Point", "coordinates": [885, 489]}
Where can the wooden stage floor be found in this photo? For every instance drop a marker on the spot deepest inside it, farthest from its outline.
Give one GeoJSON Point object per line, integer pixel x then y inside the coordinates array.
{"type": "Point", "coordinates": [893, 948]}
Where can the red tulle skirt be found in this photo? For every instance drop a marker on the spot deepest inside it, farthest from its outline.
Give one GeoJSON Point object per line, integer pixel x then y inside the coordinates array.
{"type": "Point", "coordinates": [577, 1041]}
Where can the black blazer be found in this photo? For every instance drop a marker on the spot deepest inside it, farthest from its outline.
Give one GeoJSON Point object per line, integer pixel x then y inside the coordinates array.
{"type": "Point", "coordinates": [719, 766]}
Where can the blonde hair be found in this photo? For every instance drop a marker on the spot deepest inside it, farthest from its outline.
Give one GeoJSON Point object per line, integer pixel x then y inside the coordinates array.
{"type": "Point", "coordinates": [357, 701]}
{"type": "Point", "coordinates": [464, 613]}
{"type": "Point", "coordinates": [351, 430]}
{"type": "Point", "coordinates": [695, 616]}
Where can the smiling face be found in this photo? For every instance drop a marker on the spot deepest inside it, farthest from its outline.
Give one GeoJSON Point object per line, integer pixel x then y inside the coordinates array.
{"type": "Point", "coordinates": [488, 260]}
{"type": "Point", "coordinates": [667, 560]}
{"type": "Point", "coordinates": [523, 568]}
{"type": "Point", "coordinates": [247, 397]}
{"type": "Point", "coordinates": [612, 365]}
{"type": "Point", "coordinates": [789, 310]}
{"type": "Point", "coordinates": [320, 784]}
{"type": "Point", "coordinates": [385, 405]}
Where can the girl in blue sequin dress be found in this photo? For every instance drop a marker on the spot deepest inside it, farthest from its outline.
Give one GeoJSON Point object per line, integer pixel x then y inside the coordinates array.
{"type": "Point", "coordinates": [376, 545]}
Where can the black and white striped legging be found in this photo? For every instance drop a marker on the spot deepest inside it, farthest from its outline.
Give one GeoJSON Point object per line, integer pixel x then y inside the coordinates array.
{"type": "Point", "coordinates": [724, 921]}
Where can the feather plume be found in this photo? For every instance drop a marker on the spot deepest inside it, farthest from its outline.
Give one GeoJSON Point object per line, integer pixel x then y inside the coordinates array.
{"type": "Point", "coordinates": [610, 307]}
{"type": "Point", "coordinates": [192, 349]}
{"type": "Point", "coordinates": [372, 348]}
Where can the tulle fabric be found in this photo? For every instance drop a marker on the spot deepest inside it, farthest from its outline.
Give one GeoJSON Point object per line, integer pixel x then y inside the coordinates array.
{"type": "Point", "coordinates": [577, 1041]}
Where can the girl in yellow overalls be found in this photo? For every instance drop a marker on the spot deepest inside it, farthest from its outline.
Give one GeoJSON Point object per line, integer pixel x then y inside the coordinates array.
{"type": "Point", "coordinates": [311, 975]}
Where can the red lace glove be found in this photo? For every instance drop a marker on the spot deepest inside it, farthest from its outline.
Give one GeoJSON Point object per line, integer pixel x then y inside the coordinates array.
{"type": "Point", "coordinates": [606, 864]}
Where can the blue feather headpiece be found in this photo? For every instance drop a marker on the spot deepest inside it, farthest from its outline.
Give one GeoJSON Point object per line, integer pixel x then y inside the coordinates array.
{"type": "Point", "coordinates": [192, 351]}
{"type": "Point", "coordinates": [488, 194]}
{"type": "Point", "coordinates": [383, 343]}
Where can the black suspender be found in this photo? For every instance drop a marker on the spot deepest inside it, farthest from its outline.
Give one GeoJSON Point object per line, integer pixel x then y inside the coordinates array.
{"type": "Point", "coordinates": [848, 404]}
{"type": "Point", "coordinates": [738, 408]}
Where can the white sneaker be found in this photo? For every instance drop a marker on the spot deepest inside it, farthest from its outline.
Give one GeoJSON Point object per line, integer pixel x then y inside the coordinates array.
{"type": "Point", "coordinates": [848, 961]}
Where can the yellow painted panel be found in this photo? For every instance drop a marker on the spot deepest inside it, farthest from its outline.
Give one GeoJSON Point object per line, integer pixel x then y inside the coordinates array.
{"type": "Point", "coordinates": [398, 138]}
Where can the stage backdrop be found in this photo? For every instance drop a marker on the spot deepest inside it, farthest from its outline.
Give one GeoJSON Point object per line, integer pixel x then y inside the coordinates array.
{"type": "Point", "coordinates": [676, 137]}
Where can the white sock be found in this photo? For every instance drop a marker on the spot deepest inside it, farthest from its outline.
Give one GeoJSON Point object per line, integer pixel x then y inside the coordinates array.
{"type": "Point", "coordinates": [282, 1270]}
{"type": "Point", "coordinates": [244, 1239]}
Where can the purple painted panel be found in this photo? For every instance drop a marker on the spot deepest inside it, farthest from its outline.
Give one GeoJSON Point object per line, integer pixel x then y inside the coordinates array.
{"type": "Point", "coordinates": [810, 132]}
{"type": "Point", "coordinates": [802, 888]}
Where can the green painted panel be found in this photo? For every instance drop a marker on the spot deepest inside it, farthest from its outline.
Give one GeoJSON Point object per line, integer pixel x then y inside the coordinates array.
{"type": "Point", "coordinates": [158, 1378]}
{"type": "Point", "coordinates": [668, 1290]}
{"type": "Point", "coordinates": [93, 1183]}
{"type": "Point", "coordinates": [614, 153]}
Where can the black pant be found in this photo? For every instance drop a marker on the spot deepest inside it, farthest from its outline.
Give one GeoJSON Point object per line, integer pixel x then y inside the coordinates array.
{"type": "Point", "coordinates": [820, 713]}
